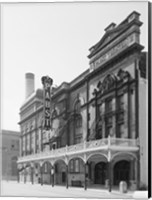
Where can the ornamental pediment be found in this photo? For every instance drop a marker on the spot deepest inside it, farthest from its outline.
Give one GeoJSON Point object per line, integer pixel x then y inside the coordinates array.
{"type": "Point", "coordinates": [115, 41]}
{"type": "Point", "coordinates": [106, 39]}
{"type": "Point", "coordinates": [111, 81]}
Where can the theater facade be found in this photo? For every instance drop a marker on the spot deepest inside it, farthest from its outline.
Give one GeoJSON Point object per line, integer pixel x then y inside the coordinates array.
{"type": "Point", "coordinates": [91, 132]}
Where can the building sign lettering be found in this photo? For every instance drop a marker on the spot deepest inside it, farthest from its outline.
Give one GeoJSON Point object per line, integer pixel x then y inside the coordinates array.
{"type": "Point", "coordinates": [47, 83]}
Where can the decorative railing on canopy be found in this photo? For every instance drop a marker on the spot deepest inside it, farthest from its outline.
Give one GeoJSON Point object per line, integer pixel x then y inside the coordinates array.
{"type": "Point", "coordinates": [104, 143]}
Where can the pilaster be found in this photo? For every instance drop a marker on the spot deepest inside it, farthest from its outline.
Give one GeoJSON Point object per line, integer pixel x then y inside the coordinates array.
{"type": "Point", "coordinates": [113, 118]}
{"type": "Point", "coordinates": [103, 120]}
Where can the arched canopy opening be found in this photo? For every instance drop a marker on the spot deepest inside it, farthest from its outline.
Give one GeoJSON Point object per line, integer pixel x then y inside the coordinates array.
{"type": "Point", "coordinates": [46, 167]}
{"type": "Point", "coordinates": [60, 172]}
{"type": "Point", "coordinates": [97, 168]}
{"type": "Point", "coordinates": [76, 165]}
{"type": "Point", "coordinates": [121, 172]}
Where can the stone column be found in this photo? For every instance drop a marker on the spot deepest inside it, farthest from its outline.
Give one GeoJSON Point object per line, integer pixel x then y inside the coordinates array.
{"type": "Point", "coordinates": [132, 172]}
{"type": "Point", "coordinates": [125, 115]}
{"type": "Point", "coordinates": [25, 144]}
{"type": "Point", "coordinates": [85, 176]}
{"type": "Point", "coordinates": [103, 119]}
{"type": "Point", "coordinates": [132, 114]}
{"type": "Point", "coordinates": [25, 175]}
{"type": "Point", "coordinates": [114, 118]}
{"type": "Point", "coordinates": [30, 140]}
{"type": "Point", "coordinates": [21, 145]}
{"type": "Point", "coordinates": [36, 138]}
{"type": "Point", "coordinates": [110, 175]}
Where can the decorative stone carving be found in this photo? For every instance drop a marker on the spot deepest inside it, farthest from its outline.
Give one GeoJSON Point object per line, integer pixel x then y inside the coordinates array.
{"type": "Point", "coordinates": [108, 83]}
{"type": "Point", "coordinates": [123, 75]}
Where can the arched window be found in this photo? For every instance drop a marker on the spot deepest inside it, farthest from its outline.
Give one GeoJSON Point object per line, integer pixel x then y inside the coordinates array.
{"type": "Point", "coordinates": [77, 123]}
{"type": "Point", "coordinates": [78, 129]}
{"type": "Point", "coordinates": [77, 106]}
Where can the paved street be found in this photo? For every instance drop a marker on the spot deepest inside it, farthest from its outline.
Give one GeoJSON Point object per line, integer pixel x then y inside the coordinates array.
{"type": "Point", "coordinates": [36, 190]}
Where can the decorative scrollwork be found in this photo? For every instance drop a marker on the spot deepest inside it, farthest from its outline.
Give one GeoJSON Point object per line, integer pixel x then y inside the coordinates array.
{"type": "Point", "coordinates": [123, 75]}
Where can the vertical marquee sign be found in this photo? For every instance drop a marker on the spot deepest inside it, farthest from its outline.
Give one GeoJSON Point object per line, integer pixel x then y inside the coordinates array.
{"type": "Point", "coordinates": [47, 83]}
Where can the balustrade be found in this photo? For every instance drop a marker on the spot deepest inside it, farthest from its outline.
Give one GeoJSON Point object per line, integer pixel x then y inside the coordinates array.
{"type": "Point", "coordinates": [103, 143]}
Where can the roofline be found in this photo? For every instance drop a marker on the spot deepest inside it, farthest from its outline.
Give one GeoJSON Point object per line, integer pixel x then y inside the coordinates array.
{"type": "Point", "coordinates": [4, 131]}
{"type": "Point", "coordinates": [117, 27]}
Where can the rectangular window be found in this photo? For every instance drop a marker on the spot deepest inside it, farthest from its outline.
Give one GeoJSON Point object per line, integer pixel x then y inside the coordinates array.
{"type": "Point", "coordinates": [120, 101]}
{"type": "Point", "coordinates": [78, 139]}
{"type": "Point", "coordinates": [77, 166]}
{"type": "Point", "coordinates": [54, 145]}
{"type": "Point", "coordinates": [108, 105]}
{"type": "Point", "coordinates": [109, 120]}
{"type": "Point", "coordinates": [45, 168]}
{"type": "Point", "coordinates": [120, 130]}
{"type": "Point", "coordinates": [120, 117]}
{"type": "Point", "coordinates": [109, 131]}
{"type": "Point", "coordinates": [72, 166]}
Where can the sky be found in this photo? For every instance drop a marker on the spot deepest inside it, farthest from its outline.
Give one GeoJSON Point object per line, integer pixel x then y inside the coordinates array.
{"type": "Point", "coordinates": [52, 39]}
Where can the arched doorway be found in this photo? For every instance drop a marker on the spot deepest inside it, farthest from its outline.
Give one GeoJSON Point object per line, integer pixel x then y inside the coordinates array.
{"type": "Point", "coordinates": [121, 172]}
{"type": "Point", "coordinates": [76, 171]}
{"type": "Point", "coordinates": [60, 172]}
{"type": "Point", "coordinates": [46, 173]}
{"type": "Point", "coordinates": [100, 173]}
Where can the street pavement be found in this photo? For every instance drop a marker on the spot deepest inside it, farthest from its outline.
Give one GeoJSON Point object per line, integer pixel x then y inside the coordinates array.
{"type": "Point", "coordinates": [11, 189]}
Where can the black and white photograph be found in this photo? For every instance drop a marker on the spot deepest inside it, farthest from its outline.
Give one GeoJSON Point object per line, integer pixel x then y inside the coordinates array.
{"type": "Point", "coordinates": [74, 99]}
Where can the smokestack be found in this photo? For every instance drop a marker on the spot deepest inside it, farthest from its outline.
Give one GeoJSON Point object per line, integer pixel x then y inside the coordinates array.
{"type": "Point", "coordinates": [30, 85]}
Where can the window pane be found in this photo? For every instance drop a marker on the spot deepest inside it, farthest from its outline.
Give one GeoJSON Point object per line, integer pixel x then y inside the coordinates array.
{"type": "Point", "coordinates": [71, 165]}
{"type": "Point", "coordinates": [77, 165]}
{"type": "Point", "coordinates": [109, 105]}
{"type": "Point", "coordinates": [121, 130]}
{"type": "Point", "coordinates": [120, 101]}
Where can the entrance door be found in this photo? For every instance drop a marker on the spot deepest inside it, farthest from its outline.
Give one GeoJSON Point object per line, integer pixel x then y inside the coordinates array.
{"type": "Point", "coordinates": [100, 173]}
{"type": "Point", "coordinates": [121, 172]}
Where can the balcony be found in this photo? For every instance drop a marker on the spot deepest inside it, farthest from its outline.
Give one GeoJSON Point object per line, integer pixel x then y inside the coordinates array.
{"type": "Point", "coordinates": [113, 144]}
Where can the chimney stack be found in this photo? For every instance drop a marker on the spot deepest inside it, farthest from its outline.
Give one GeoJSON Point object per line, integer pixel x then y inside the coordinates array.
{"type": "Point", "coordinates": [30, 85]}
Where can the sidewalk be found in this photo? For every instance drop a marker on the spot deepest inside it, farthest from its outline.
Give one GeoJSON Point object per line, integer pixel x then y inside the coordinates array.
{"type": "Point", "coordinates": [12, 188]}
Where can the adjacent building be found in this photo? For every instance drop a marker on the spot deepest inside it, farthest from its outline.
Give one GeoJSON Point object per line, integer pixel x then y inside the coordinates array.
{"type": "Point", "coordinates": [97, 132]}
{"type": "Point", "coordinates": [10, 153]}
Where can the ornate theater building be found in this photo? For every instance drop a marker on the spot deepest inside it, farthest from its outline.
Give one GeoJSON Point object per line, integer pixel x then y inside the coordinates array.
{"type": "Point", "coordinates": [91, 132]}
